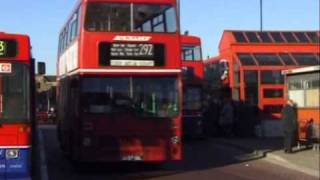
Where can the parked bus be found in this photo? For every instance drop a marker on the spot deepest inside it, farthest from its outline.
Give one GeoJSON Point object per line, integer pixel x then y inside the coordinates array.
{"type": "Point", "coordinates": [192, 66]}
{"type": "Point", "coordinates": [119, 82]}
{"type": "Point", "coordinates": [16, 106]}
{"type": "Point", "coordinates": [303, 87]}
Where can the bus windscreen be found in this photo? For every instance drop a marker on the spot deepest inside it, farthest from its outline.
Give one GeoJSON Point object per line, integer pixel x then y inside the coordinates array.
{"type": "Point", "coordinates": [14, 93]}
{"type": "Point", "coordinates": [144, 97]}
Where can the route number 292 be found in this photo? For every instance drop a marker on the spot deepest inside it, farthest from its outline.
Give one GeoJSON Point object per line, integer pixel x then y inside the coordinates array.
{"type": "Point", "coordinates": [2, 48]}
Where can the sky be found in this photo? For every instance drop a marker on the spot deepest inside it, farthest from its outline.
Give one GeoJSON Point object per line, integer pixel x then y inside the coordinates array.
{"type": "Point", "coordinates": [43, 19]}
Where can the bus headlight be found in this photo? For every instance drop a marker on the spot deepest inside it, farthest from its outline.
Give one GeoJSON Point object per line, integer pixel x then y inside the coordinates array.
{"type": "Point", "coordinates": [12, 153]}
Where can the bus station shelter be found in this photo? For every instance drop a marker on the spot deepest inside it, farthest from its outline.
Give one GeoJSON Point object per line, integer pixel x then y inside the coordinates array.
{"type": "Point", "coordinates": [249, 67]}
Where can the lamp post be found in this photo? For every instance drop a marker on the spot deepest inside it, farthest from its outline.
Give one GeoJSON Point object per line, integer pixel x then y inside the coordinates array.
{"type": "Point", "coordinates": [261, 15]}
{"type": "Point", "coordinates": [179, 11]}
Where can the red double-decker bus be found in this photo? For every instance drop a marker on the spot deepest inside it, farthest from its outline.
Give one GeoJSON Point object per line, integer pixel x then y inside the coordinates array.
{"type": "Point", "coordinates": [16, 106]}
{"type": "Point", "coordinates": [193, 67]}
{"type": "Point", "coordinates": [119, 82]}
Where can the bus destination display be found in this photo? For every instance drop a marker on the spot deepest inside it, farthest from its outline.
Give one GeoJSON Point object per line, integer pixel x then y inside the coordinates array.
{"type": "Point", "coordinates": [8, 48]}
{"type": "Point", "coordinates": [131, 54]}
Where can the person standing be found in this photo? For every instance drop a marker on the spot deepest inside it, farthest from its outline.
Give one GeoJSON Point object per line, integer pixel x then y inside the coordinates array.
{"type": "Point", "coordinates": [289, 119]}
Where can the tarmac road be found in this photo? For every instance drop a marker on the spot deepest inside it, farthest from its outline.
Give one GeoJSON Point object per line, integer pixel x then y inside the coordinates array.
{"type": "Point", "coordinates": [203, 160]}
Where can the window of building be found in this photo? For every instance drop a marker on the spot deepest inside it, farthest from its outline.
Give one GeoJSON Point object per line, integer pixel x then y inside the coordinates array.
{"type": "Point", "coordinates": [273, 93]}
{"type": "Point", "coordinates": [304, 89]}
{"type": "Point", "coordinates": [271, 109]}
{"type": "Point", "coordinates": [306, 59]}
{"type": "Point", "coordinates": [315, 83]}
{"type": "Point", "coordinates": [272, 77]}
{"type": "Point", "coordinates": [252, 36]}
{"type": "Point", "coordinates": [239, 37]}
{"type": "Point", "coordinates": [289, 37]}
{"type": "Point", "coordinates": [268, 59]}
{"type": "Point", "coordinates": [251, 78]}
{"type": "Point", "coordinates": [251, 95]}
{"type": "Point", "coordinates": [286, 58]}
{"type": "Point", "coordinates": [302, 37]}
{"type": "Point", "coordinates": [251, 87]}
{"type": "Point", "coordinates": [276, 36]}
{"type": "Point", "coordinates": [264, 36]}
{"type": "Point", "coordinates": [297, 96]}
{"type": "Point", "coordinates": [246, 60]}
{"type": "Point", "coordinates": [313, 37]}
{"type": "Point", "coordinates": [312, 98]}
{"type": "Point", "coordinates": [295, 85]}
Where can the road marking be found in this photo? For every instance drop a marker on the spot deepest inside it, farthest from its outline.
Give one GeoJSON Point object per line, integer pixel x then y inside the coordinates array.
{"type": "Point", "coordinates": [43, 160]}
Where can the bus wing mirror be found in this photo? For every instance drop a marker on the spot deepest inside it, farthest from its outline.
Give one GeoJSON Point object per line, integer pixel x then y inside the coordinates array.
{"type": "Point", "coordinates": [41, 68]}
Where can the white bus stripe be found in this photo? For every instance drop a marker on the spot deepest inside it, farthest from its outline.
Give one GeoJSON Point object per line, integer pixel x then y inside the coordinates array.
{"type": "Point", "coordinates": [43, 159]}
{"type": "Point", "coordinates": [15, 147]}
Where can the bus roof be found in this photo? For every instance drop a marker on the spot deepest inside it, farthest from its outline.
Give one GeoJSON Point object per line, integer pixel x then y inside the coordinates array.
{"type": "Point", "coordinates": [11, 35]}
{"type": "Point", "coordinates": [187, 39]}
{"type": "Point", "coordinates": [302, 70]}
{"type": "Point", "coordinates": [23, 46]}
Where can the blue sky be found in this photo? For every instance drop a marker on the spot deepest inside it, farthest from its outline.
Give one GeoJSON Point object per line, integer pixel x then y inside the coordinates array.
{"type": "Point", "coordinates": [42, 20]}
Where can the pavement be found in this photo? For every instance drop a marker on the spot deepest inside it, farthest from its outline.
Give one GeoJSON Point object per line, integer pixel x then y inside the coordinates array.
{"type": "Point", "coordinates": [305, 160]}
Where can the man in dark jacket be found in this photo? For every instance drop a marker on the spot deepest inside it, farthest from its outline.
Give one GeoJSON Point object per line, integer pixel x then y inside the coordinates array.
{"type": "Point", "coordinates": [289, 119]}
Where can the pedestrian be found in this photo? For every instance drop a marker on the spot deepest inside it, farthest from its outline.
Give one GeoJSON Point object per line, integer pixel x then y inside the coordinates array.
{"type": "Point", "coordinates": [289, 118]}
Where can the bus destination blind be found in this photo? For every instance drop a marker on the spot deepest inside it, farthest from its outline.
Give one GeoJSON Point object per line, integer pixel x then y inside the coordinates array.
{"type": "Point", "coordinates": [131, 54]}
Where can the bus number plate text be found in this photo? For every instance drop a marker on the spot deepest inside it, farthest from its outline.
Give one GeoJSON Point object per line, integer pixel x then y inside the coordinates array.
{"type": "Point", "coordinates": [131, 50]}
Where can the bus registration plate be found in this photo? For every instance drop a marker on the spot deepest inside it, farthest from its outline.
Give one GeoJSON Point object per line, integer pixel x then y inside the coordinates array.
{"type": "Point", "coordinates": [131, 158]}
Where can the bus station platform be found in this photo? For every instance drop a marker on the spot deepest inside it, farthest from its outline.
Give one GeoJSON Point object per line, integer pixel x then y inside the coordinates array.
{"type": "Point", "coordinates": [305, 160]}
